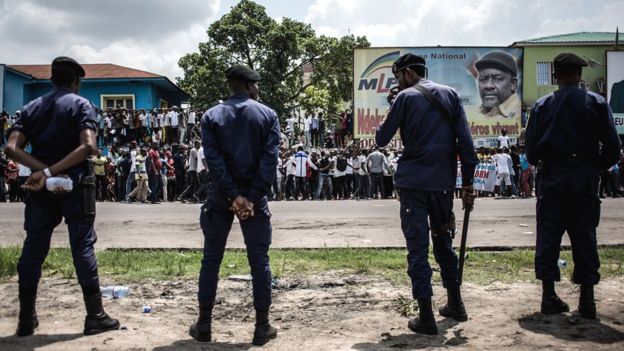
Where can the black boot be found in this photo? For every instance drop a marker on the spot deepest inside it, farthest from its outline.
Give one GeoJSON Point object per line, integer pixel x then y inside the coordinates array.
{"type": "Point", "coordinates": [97, 321]}
{"type": "Point", "coordinates": [587, 305]}
{"type": "Point", "coordinates": [28, 321]}
{"type": "Point", "coordinates": [425, 322]}
{"type": "Point", "coordinates": [202, 329]}
{"type": "Point", "coordinates": [454, 308]}
{"type": "Point", "coordinates": [264, 331]}
{"type": "Point", "coordinates": [551, 303]}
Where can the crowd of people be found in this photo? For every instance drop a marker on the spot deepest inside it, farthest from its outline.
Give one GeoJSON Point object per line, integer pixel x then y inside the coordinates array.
{"type": "Point", "coordinates": [152, 173]}
{"type": "Point", "coordinates": [318, 131]}
{"type": "Point", "coordinates": [158, 157]}
{"type": "Point", "coordinates": [164, 126]}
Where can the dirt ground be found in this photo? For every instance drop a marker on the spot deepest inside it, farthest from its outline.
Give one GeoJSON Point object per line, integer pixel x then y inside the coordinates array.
{"type": "Point", "coordinates": [327, 312]}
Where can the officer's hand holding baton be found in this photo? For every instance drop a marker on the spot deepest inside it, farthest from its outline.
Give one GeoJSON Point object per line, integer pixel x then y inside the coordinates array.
{"type": "Point", "coordinates": [467, 197]}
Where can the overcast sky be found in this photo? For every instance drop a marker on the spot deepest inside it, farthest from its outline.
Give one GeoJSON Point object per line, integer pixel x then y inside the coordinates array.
{"type": "Point", "coordinates": [152, 35]}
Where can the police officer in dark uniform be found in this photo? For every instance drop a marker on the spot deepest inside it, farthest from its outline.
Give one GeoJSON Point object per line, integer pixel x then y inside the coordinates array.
{"type": "Point", "coordinates": [571, 136]}
{"type": "Point", "coordinates": [61, 128]}
{"type": "Point", "coordinates": [241, 138]}
{"type": "Point", "coordinates": [426, 179]}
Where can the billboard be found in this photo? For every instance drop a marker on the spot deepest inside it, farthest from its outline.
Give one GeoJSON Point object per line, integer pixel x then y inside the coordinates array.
{"type": "Point", "coordinates": [615, 87]}
{"type": "Point", "coordinates": [492, 104]}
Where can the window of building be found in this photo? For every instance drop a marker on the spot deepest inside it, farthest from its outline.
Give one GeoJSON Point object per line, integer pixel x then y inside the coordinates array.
{"type": "Point", "coordinates": [111, 102]}
{"type": "Point", "coordinates": [544, 73]}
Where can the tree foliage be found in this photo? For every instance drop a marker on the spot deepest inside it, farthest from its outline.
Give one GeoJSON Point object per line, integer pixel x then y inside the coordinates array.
{"type": "Point", "coordinates": [278, 51]}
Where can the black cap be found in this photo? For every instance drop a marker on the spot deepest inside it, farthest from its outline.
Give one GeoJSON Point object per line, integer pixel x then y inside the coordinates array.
{"type": "Point", "coordinates": [68, 62]}
{"type": "Point", "coordinates": [407, 60]}
{"type": "Point", "coordinates": [243, 73]}
{"type": "Point", "coordinates": [568, 59]}
{"type": "Point", "coordinates": [498, 60]}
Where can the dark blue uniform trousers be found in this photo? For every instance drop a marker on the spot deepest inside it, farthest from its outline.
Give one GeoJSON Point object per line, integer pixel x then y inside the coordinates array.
{"type": "Point", "coordinates": [216, 221]}
{"type": "Point", "coordinates": [568, 203]}
{"type": "Point", "coordinates": [418, 209]}
{"type": "Point", "coordinates": [44, 211]}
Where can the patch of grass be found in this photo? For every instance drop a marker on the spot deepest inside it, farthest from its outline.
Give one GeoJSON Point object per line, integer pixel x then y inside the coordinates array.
{"type": "Point", "coordinates": [8, 261]}
{"type": "Point", "coordinates": [140, 265]}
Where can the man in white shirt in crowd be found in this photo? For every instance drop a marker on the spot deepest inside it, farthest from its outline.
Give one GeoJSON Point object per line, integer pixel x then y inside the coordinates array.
{"type": "Point", "coordinates": [339, 175]}
{"type": "Point", "coordinates": [130, 179]}
{"type": "Point", "coordinates": [108, 127]}
{"type": "Point", "coordinates": [204, 177]}
{"type": "Point", "coordinates": [361, 175]}
{"type": "Point", "coordinates": [182, 117]}
{"type": "Point", "coordinates": [350, 174]}
{"type": "Point", "coordinates": [174, 123]}
{"type": "Point", "coordinates": [126, 125]}
{"type": "Point", "coordinates": [376, 162]}
{"type": "Point", "coordinates": [314, 130]}
{"type": "Point", "coordinates": [301, 159]}
{"type": "Point", "coordinates": [162, 116]}
{"type": "Point", "coordinates": [145, 122]}
{"type": "Point", "coordinates": [190, 125]}
{"type": "Point", "coordinates": [290, 126]}
{"type": "Point", "coordinates": [277, 185]}
{"type": "Point", "coordinates": [503, 174]}
{"type": "Point", "coordinates": [192, 177]}
{"type": "Point", "coordinates": [503, 140]}
{"type": "Point", "coordinates": [291, 172]}
{"type": "Point", "coordinates": [307, 121]}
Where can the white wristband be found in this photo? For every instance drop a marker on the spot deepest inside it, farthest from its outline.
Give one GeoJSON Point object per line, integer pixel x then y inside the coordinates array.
{"type": "Point", "coordinates": [47, 173]}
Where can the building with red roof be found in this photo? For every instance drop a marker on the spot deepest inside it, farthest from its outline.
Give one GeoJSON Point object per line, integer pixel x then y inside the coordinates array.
{"type": "Point", "coordinates": [106, 85]}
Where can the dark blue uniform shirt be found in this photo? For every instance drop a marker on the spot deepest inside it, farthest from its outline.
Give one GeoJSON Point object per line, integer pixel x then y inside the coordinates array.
{"type": "Point", "coordinates": [241, 140]}
{"type": "Point", "coordinates": [429, 160]}
{"type": "Point", "coordinates": [52, 124]}
{"type": "Point", "coordinates": [566, 130]}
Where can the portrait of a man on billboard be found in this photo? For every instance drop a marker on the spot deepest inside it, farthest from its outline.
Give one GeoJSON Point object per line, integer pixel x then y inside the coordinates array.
{"type": "Point", "coordinates": [498, 81]}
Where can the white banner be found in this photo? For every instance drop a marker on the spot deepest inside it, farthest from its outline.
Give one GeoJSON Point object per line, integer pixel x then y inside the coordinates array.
{"type": "Point", "coordinates": [484, 177]}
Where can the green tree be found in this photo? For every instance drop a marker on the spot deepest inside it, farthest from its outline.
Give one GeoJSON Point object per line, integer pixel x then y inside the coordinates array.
{"type": "Point", "coordinates": [334, 69]}
{"type": "Point", "coordinates": [204, 76]}
{"type": "Point", "coordinates": [278, 51]}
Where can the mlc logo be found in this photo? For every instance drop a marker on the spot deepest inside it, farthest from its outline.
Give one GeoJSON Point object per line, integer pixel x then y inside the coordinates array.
{"type": "Point", "coordinates": [374, 76]}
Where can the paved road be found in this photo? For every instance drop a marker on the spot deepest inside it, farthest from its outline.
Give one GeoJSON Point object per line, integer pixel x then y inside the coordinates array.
{"type": "Point", "coordinates": [308, 224]}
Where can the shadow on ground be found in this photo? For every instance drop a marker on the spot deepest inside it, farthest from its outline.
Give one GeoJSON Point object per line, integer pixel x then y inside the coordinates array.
{"type": "Point", "coordinates": [413, 341]}
{"type": "Point", "coordinates": [561, 327]}
{"type": "Point", "coordinates": [191, 344]}
{"type": "Point", "coordinates": [34, 341]}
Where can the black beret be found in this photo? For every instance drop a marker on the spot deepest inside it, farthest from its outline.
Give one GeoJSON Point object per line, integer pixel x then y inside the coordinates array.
{"type": "Point", "coordinates": [68, 62]}
{"type": "Point", "coordinates": [243, 73]}
{"type": "Point", "coordinates": [568, 59]}
{"type": "Point", "coordinates": [499, 60]}
{"type": "Point", "coordinates": [407, 60]}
